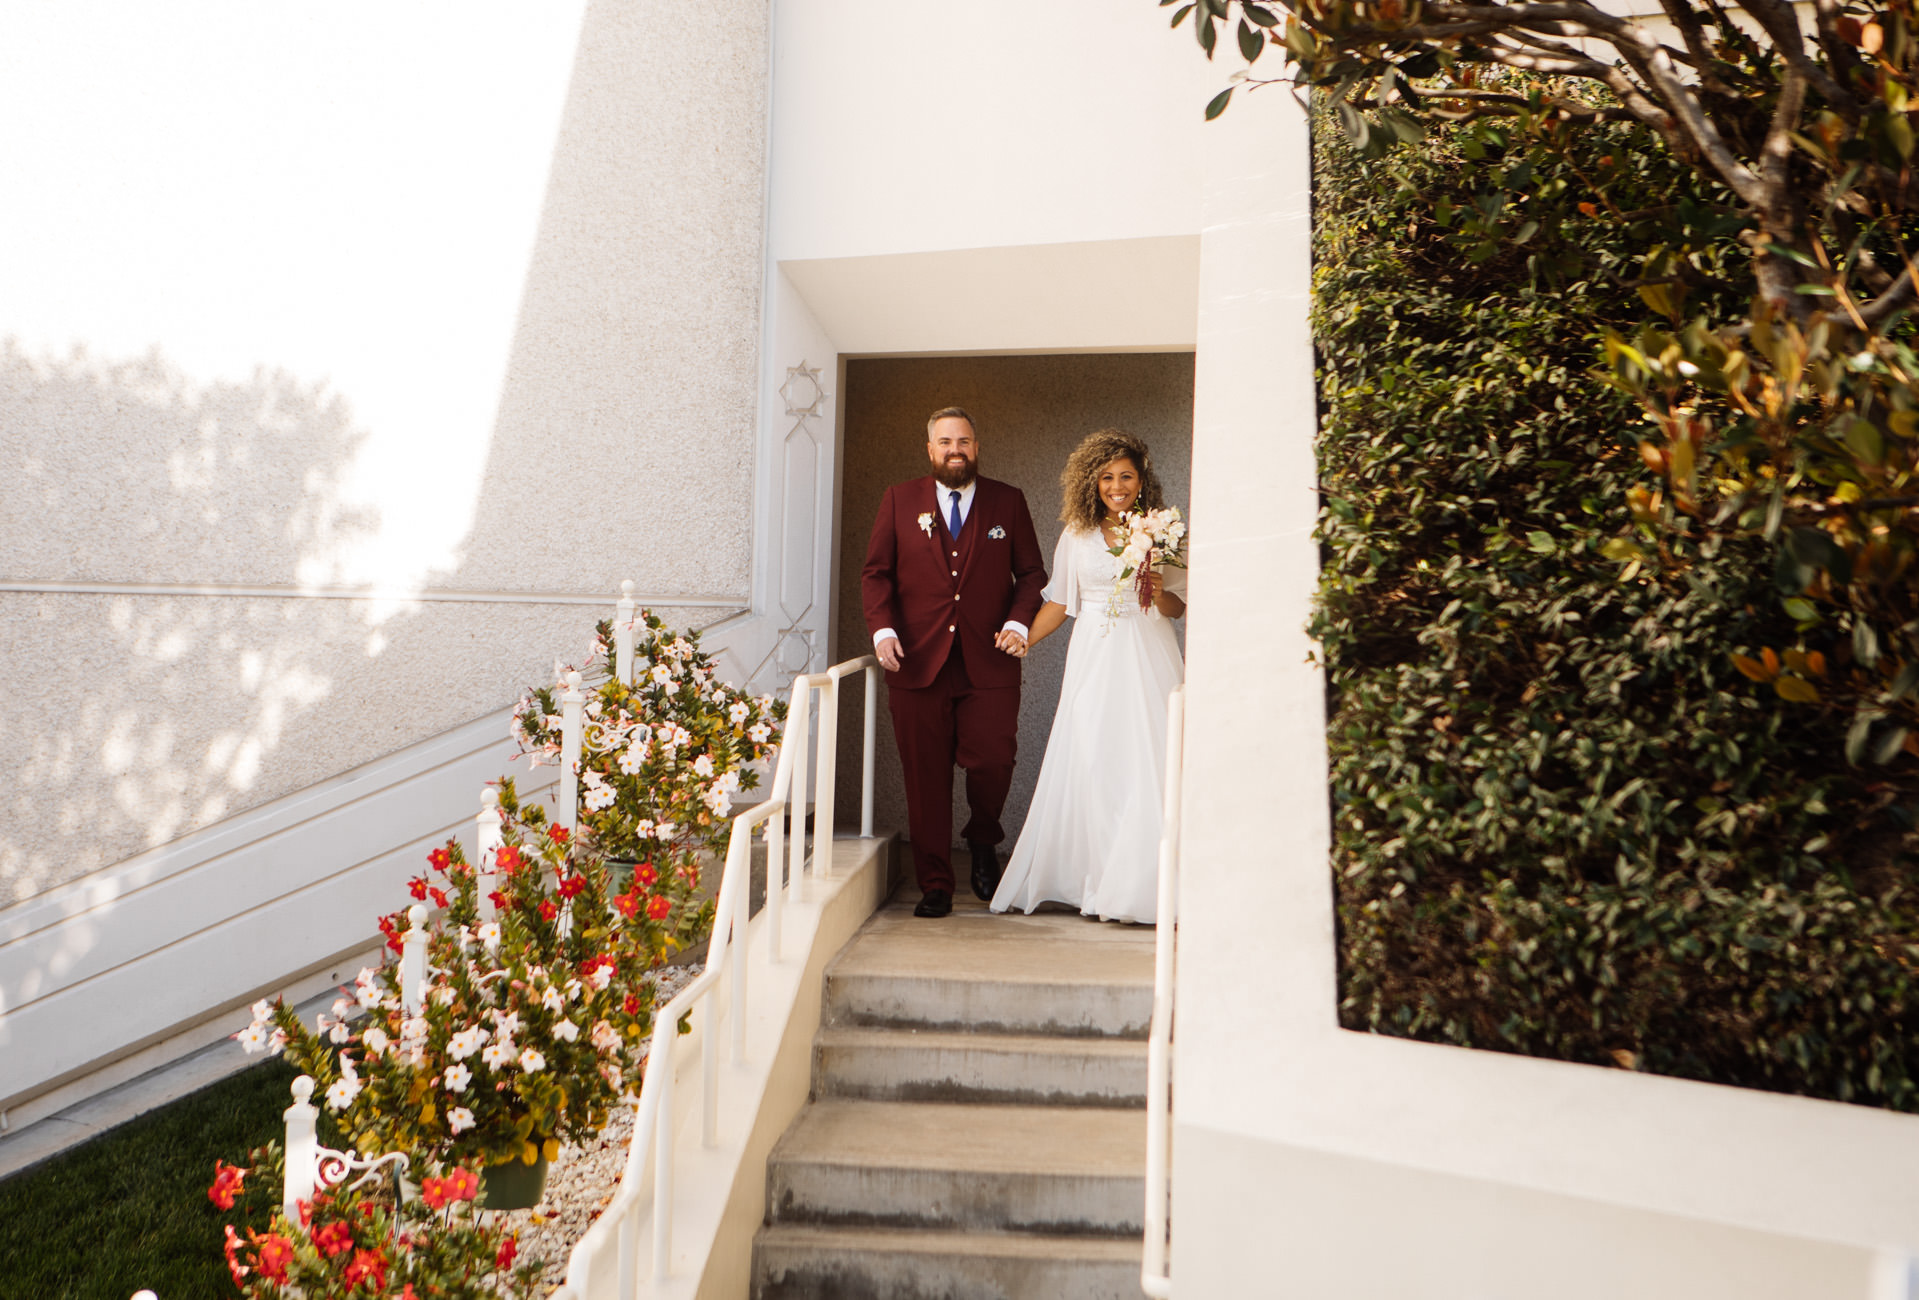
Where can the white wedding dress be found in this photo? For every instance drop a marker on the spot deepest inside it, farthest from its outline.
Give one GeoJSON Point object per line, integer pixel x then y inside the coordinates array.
{"type": "Point", "coordinates": [1091, 837]}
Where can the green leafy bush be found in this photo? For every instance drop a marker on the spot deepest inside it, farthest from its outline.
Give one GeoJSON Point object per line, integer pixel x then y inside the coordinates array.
{"type": "Point", "coordinates": [1564, 823]}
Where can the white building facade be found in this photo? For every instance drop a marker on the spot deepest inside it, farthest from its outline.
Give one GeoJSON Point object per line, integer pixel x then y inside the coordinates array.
{"type": "Point", "coordinates": [356, 356]}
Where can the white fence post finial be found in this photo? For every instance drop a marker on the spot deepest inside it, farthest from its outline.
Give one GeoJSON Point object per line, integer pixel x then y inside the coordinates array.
{"type": "Point", "coordinates": [572, 711]}
{"type": "Point", "coordinates": [413, 961]}
{"type": "Point", "coordinates": [487, 839]}
{"type": "Point", "coordinates": [302, 1149]}
{"type": "Point", "coordinates": [623, 635]}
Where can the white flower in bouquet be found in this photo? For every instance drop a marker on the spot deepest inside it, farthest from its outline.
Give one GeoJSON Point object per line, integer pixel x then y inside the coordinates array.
{"type": "Point", "coordinates": [1150, 539]}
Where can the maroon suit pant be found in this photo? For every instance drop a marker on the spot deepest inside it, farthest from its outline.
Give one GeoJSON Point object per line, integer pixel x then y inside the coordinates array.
{"type": "Point", "coordinates": [953, 721]}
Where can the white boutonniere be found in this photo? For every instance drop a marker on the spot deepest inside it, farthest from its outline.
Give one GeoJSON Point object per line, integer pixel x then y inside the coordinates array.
{"type": "Point", "coordinates": [926, 522]}
{"type": "Point", "coordinates": [997, 532]}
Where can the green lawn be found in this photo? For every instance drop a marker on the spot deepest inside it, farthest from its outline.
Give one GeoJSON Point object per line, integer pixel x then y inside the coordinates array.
{"type": "Point", "coordinates": [129, 1209]}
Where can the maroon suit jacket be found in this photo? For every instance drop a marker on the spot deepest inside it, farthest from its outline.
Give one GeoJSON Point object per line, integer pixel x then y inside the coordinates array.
{"type": "Point", "coordinates": [932, 590]}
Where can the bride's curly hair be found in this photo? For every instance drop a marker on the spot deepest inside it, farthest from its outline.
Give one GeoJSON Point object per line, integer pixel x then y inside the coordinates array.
{"type": "Point", "coordinates": [1080, 507]}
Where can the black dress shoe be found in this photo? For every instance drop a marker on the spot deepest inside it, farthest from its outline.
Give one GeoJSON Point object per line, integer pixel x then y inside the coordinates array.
{"type": "Point", "coordinates": [985, 871]}
{"type": "Point", "coordinates": [936, 902]}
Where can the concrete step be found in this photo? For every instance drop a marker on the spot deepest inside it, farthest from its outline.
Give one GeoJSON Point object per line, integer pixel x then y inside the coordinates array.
{"type": "Point", "coordinates": [942, 1065]}
{"type": "Point", "coordinates": [1054, 973]}
{"type": "Point", "coordinates": [802, 1262]}
{"type": "Point", "coordinates": [1058, 1170]}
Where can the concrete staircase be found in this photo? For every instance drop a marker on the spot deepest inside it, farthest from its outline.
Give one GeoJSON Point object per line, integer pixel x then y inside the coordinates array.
{"type": "Point", "coordinates": [977, 1127]}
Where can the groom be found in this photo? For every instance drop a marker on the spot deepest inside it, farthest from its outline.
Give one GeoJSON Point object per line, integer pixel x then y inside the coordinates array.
{"type": "Point", "coordinates": [952, 582]}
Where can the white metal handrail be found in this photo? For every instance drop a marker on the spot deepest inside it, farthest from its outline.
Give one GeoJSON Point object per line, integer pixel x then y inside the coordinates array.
{"type": "Point", "coordinates": [615, 1234]}
{"type": "Point", "coordinates": [1155, 1277]}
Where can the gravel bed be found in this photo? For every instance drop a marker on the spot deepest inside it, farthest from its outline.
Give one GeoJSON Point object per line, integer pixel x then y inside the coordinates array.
{"type": "Point", "coordinates": [580, 1183]}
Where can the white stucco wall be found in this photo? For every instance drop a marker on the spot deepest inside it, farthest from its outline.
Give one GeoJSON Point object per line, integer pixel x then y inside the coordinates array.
{"type": "Point", "coordinates": [351, 359]}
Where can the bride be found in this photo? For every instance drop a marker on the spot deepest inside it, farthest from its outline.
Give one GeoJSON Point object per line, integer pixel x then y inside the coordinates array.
{"type": "Point", "coordinates": [1092, 835]}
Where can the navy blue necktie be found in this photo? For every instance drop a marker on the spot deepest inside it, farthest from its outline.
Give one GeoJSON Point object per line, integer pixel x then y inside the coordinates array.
{"type": "Point", "coordinates": [954, 526]}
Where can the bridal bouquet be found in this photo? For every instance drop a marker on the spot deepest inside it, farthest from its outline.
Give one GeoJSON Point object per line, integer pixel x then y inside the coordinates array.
{"type": "Point", "coordinates": [1149, 539]}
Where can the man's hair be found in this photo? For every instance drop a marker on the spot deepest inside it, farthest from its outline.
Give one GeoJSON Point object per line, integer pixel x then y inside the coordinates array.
{"type": "Point", "coordinates": [951, 413]}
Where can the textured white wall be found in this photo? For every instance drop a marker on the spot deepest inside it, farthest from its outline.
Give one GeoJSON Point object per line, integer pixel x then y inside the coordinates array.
{"type": "Point", "coordinates": [457, 307]}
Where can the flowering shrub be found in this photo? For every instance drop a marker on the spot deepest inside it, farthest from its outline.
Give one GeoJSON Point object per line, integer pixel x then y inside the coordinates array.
{"type": "Point", "coordinates": [532, 1024]}
{"type": "Point", "coordinates": [357, 1242]}
{"type": "Point", "coordinates": [662, 760]}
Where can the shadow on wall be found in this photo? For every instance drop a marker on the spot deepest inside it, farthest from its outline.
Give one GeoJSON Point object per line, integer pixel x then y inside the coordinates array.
{"type": "Point", "coordinates": [1033, 410]}
{"type": "Point", "coordinates": [119, 472]}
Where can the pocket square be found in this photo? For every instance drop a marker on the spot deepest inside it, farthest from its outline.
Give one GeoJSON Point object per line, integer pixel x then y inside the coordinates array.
{"type": "Point", "coordinates": [996, 532]}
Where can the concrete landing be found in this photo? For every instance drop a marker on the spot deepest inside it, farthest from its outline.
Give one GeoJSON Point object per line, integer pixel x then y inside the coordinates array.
{"type": "Point", "coordinates": [977, 1129]}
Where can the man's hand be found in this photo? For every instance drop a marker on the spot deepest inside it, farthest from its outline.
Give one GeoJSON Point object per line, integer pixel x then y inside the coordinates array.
{"type": "Point", "coordinates": [1011, 642]}
{"type": "Point", "coordinates": [890, 654]}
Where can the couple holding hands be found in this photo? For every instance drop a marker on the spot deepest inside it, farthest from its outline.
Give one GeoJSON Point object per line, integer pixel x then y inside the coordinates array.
{"type": "Point", "coordinates": [955, 594]}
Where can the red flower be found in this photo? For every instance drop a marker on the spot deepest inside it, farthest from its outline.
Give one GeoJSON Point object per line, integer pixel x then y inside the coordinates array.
{"type": "Point", "coordinates": [332, 1238]}
{"type": "Point", "coordinates": [440, 859]}
{"type": "Point", "coordinates": [658, 906]}
{"type": "Point", "coordinates": [632, 1004]}
{"type": "Point", "coordinates": [495, 897]}
{"type": "Point", "coordinates": [409, 1293]}
{"type": "Point", "coordinates": [509, 859]}
{"type": "Point", "coordinates": [274, 1253]}
{"type": "Point", "coordinates": [417, 887]}
{"type": "Point", "coordinates": [234, 1266]}
{"type": "Point", "coordinates": [644, 874]}
{"type": "Point", "coordinates": [439, 897]}
{"type": "Point", "coordinates": [226, 1184]}
{"type": "Point", "coordinates": [559, 833]}
{"type": "Point", "coordinates": [462, 1185]}
{"type": "Point", "coordinates": [571, 886]}
{"type": "Point", "coordinates": [508, 1249]}
{"type": "Point", "coordinates": [433, 1192]}
{"type": "Point", "coordinates": [628, 904]}
{"type": "Point", "coordinates": [547, 909]}
{"type": "Point", "coordinates": [367, 1265]}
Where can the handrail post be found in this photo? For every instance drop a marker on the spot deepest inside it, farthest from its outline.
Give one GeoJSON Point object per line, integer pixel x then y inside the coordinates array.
{"type": "Point", "coordinates": [866, 763]}
{"type": "Point", "coordinates": [623, 635]}
{"type": "Point", "coordinates": [797, 730]}
{"type": "Point", "coordinates": [1154, 1276]}
{"type": "Point", "coordinates": [663, 1159]}
{"type": "Point", "coordinates": [572, 708]}
{"type": "Point", "coordinates": [824, 785]}
{"type": "Point", "coordinates": [487, 838]}
{"type": "Point", "coordinates": [710, 1065]}
{"type": "Point", "coordinates": [741, 847]}
{"type": "Point", "coordinates": [775, 869]}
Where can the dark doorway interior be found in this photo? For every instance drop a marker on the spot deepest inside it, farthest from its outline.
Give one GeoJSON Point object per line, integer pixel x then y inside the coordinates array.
{"type": "Point", "coordinates": [1032, 411]}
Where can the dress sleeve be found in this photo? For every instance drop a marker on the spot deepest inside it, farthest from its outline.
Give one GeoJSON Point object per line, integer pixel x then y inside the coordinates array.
{"type": "Point", "coordinates": [1063, 588]}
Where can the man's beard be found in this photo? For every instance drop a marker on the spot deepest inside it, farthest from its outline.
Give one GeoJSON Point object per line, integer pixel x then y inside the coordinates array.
{"type": "Point", "coordinates": [953, 476]}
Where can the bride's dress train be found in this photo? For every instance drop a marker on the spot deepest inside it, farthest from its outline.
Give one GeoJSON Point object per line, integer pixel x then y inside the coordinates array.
{"type": "Point", "coordinates": [1091, 837]}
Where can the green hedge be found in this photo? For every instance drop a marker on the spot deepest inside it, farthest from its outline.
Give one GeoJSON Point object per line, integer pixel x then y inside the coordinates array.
{"type": "Point", "coordinates": [1564, 825]}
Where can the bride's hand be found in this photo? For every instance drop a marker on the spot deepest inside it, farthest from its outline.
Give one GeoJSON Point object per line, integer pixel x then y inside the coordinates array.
{"type": "Point", "coordinates": [1154, 584]}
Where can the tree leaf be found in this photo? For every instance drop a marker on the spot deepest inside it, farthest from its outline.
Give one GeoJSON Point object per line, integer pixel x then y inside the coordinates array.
{"type": "Point", "coordinates": [1259, 14]}
{"type": "Point", "coordinates": [1217, 104]}
{"type": "Point", "coordinates": [1889, 745]}
{"type": "Point", "coordinates": [1797, 689]}
{"type": "Point", "coordinates": [1751, 668]}
{"type": "Point", "coordinates": [1179, 15]}
{"type": "Point", "coordinates": [1251, 43]}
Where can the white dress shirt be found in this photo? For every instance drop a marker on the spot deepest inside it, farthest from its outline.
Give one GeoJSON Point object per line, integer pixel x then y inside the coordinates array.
{"type": "Point", "coordinates": [945, 498]}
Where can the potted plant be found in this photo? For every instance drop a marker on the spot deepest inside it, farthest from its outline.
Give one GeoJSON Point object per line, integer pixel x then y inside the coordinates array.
{"type": "Point", "coordinates": [533, 1017]}
{"type": "Point", "coordinates": [358, 1242]}
{"type": "Point", "coordinates": [663, 760]}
